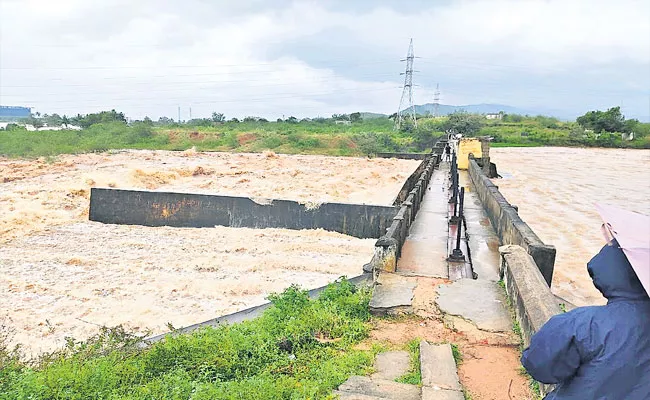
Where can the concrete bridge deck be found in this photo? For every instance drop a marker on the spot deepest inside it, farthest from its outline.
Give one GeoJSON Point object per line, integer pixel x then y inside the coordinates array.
{"type": "Point", "coordinates": [426, 283]}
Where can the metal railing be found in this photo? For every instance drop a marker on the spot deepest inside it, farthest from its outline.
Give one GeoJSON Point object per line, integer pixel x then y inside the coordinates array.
{"type": "Point", "coordinates": [457, 199]}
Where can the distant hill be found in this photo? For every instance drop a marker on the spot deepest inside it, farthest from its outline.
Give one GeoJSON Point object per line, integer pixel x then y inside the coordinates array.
{"type": "Point", "coordinates": [444, 109]}
{"type": "Point", "coordinates": [369, 115]}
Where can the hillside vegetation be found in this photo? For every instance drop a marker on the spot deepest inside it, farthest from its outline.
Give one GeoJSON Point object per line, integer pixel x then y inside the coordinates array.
{"type": "Point", "coordinates": [340, 135]}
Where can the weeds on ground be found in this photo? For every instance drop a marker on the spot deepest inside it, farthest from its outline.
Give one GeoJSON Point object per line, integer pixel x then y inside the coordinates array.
{"type": "Point", "coordinates": [298, 348]}
{"type": "Point", "coordinates": [414, 376]}
{"type": "Point", "coordinates": [534, 385]}
{"type": "Point", "coordinates": [458, 356]}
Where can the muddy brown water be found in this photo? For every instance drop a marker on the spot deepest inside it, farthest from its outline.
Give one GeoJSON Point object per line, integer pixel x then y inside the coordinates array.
{"type": "Point", "coordinates": [556, 189]}
{"type": "Point", "coordinates": [61, 275]}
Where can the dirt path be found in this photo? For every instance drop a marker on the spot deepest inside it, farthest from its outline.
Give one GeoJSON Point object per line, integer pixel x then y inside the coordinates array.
{"type": "Point", "coordinates": [490, 367]}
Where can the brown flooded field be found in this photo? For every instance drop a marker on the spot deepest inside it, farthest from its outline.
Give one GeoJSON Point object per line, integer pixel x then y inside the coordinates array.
{"type": "Point", "coordinates": [61, 275]}
{"type": "Point", "coordinates": [556, 189]}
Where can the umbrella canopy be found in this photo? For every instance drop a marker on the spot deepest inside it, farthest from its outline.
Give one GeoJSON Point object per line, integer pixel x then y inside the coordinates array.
{"type": "Point", "coordinates": [632, 231]}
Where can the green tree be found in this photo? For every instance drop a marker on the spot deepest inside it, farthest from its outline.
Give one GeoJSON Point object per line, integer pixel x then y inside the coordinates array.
{"type": "Point", "coordinates": [218, 117]}
{"type": "Point", "coordinates": [35, 122]}
{"type": "Point", "coordinates": [165, 121]}
{"type": "Point", "coordinates": [88, 120]}
{"type": "Point", "coordinates": [611, 120]}
{"type": "Point", "coordinates": [464, 123]}
{"type": "Point", "coordinates": [355, 117]}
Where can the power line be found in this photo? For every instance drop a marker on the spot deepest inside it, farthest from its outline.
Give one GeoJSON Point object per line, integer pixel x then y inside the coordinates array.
{"type": "Point", "coordinates": [436, 100]}
{"type": "Point", "coordinates": [189, 97]}
{"type": "Point", "coordinates": [184, 83]}
{"type": "Point", "coordinates": [149, 67]}
{"type": "Point", "coordinates": [407, 92]}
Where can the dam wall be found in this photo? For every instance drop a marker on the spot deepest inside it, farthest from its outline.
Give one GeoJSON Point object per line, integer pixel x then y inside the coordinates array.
{"type": "Point", "coordinates": [187, 210]}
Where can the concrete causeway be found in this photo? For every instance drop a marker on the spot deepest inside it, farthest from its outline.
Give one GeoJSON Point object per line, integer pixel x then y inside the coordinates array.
{"type": "Point", "coordinates": [474, 307]}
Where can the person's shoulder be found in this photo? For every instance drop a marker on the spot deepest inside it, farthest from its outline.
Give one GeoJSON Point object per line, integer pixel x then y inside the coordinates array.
{"type": "Point", "coordinates": [578, 316]}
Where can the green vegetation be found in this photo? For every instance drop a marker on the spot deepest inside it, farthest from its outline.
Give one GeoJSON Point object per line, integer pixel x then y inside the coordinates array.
{"type": "Point", "coordinates": [458, 356]}
{"type": "Point", "coordinates": [340, 135]}
{"type": "Point", "coordinates": [319, 136]}
{"type": "Point", "coordinates": [594, 129]}
{"type": "Point", "coordinates": [414, 376]}
{"type": "Point", "coordinates": [18, 142]}
{"type": "Point", "coordinates": [299, 348]}
{"type": "Point", "coordinates": [534, 385]}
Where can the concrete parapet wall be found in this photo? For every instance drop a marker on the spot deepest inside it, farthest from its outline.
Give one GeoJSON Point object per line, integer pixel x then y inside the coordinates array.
{"type": "Point", "coordinates": [510, 228]}
{"type": "Point", "coordinates": [404, 156]}
{"type": "Point", "coordinates": [388, 247]}
{"type": "Point", "coordinates": [413, 179]}
{"type": "Point", "coordinates": [134, 207]}
{"type": "Point", "coordinates": [530, 296]}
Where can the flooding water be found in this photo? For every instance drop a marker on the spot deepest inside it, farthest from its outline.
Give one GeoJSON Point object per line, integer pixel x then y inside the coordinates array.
{"type": "Point", "coordinates": [61, 275]}
{"type": "Point", "coordinates": [556, 189]}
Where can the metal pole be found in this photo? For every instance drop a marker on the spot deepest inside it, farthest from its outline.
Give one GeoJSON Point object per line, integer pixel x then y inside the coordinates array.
{"type": "Point", "coordinates": [457, 254]}
{"type": "Point", "coordinates": [460, 218]}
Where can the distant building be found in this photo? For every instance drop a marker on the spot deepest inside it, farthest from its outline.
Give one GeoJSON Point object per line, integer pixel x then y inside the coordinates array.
{"type": "Point", "coordinates": [342, 122]}
{"type": "Point", "coordinates": [15, 112]}
{"type": "Point", "coordinates": [494, 116]}
{"type": "Point", "coordinates": [32, 128]}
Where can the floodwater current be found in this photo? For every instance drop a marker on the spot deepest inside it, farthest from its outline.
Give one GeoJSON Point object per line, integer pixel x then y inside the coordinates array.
{"type": "Point", "coordinates": [556, 189]}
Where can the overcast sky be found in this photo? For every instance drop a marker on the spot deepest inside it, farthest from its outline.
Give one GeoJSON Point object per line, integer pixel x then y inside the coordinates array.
{"type": "Point", "coordinates": [308, 58]}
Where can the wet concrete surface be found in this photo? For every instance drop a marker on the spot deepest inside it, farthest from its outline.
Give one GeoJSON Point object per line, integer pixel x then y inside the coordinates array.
{"type": "Point", "coordinates": [393, 294]}
{"type": "Point", "coordinates": [483, 240]}
{"type": "Point", "coordinates": [425, 250]}
{"type": "Point", "coordinates": [480, 301]}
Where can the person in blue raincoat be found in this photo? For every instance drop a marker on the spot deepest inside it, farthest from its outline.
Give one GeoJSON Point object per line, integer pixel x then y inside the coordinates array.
{"type": "Point", "coordinates": [599, 352]}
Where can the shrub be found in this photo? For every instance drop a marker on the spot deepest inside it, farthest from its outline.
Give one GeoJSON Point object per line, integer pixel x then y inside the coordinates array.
{"type": "Point", "coordinates": [298, 348]}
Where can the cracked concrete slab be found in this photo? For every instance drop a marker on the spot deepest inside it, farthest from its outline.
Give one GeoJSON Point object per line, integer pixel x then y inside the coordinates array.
{"type": "Point", "coordinates": [392, 294]}
{"type": "Point", "coordinates": [480, 301]}
{"type": "Point", "coordinates": [438, 366]}
{"type": "Point", "coordinates": [379, 388]}
{"type": "Point", "coordinates": [392, 365]}
{"type": "Point", "coordinates": [430, 393]}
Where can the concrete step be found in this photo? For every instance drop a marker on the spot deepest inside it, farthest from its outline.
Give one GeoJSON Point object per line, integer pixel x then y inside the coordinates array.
{"type": "Point", "coordinates": [355, 396]}
{"type": "Point", "coordinates": [393, 294]}
{"type": "Point", "coordinates": [438, 367]}
{"type": "Point", "coordinates": [429, 393]}
{"type": "Point", "coordinates": [377, 388]}
{"type": "Point", "coordinates": [391, 365]}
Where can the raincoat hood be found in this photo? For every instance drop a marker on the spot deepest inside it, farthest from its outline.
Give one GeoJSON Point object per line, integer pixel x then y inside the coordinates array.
{"type": "Point", "coordinates": [613, 275]}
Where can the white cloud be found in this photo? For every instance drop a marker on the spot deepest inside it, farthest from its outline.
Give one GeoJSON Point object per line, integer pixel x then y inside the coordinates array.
{"type": "Point", "coordinates": [148, 57]}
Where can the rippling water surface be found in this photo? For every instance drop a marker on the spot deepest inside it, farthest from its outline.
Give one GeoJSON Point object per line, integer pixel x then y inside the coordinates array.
{"type": "Point", "coordinates": [556, 189]}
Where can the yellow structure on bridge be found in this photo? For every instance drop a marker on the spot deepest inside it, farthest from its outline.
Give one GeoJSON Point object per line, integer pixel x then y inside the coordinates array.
{"type": "Point", "coordinates": [467, 146]}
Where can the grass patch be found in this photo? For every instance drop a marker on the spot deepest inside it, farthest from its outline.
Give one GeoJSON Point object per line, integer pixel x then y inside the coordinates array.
{"type": "Point", "coordinates": [414, 376]}
{"type": "Point", "coordinates": [298, 349]}
{"type": "Point", "coordinates": [458, 356]}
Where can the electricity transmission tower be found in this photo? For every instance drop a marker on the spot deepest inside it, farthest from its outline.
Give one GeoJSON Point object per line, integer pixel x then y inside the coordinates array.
{"type": "Point", "coordinates": [436, 100]}
{"type": "Point", "coordinates": [404, 113]}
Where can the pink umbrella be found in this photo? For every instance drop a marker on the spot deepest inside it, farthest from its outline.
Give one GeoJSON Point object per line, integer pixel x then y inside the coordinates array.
{"type": "Point", "coordinates": [632, 231]}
